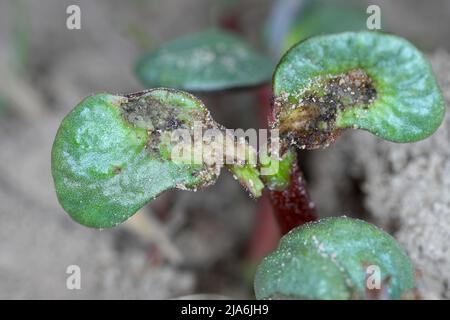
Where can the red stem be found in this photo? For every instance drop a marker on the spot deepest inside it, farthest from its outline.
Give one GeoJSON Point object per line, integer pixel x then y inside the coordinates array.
{"type": "Point", "coordinates": [265, 234]}
{"type": "Point", "coordinates": [293, 206]}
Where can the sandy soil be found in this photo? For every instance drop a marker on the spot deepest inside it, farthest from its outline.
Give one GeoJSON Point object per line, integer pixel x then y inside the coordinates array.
{"type": "Point", "coordinates": [185, 243]}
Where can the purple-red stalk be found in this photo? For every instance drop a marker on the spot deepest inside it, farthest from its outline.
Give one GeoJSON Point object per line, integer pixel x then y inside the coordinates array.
{"type": "Point", "coordinates": [293, 206]}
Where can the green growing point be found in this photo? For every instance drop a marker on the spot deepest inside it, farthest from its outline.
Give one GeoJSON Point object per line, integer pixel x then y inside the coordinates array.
{"type": "Point", "coordinates": [367, 80]}
{"type": "Point", "coordinates": [328, 260]}
{"type": "Point", "coordinates": [207, 61]}
{"type": "Point", "coordinates": [112, 154]}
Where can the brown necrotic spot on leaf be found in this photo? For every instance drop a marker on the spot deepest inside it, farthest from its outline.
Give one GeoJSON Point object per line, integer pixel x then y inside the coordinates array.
{"type": "Point", "coordinates": [308, 119]}
{"type": "Point", "coordinates": [117, 170]}
{"type": "Point", "coordinates": [145, 111]}
{"type": "Point", "coordinates": [161, 119]}
{"type": "Point", "coordinates": [175, 122]}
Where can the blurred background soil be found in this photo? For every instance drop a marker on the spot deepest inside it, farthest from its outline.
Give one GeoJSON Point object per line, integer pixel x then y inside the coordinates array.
{"type": "Point", "coordinates": [188, 243]}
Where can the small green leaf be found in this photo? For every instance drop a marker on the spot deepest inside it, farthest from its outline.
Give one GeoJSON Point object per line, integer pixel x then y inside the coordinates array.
{"type": "Point", "coordinates": [210, 60]}
{"type": "Point", "coordinates": [320, 17]}
{"type": "Point", "coordinates": [249, 177]}
{"type": "Point", "coordinates": [111, 154]}
{"type": "Point", "coordinates": [368, 80]}
{"type": "Point", "coordinates": [281, 179]}
{"type": "Point", "coordinates": [328, 260]}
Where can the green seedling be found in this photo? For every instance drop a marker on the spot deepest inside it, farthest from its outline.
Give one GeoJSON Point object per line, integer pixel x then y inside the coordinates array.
{"type": "Point", "coordinates": [112, 154]}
